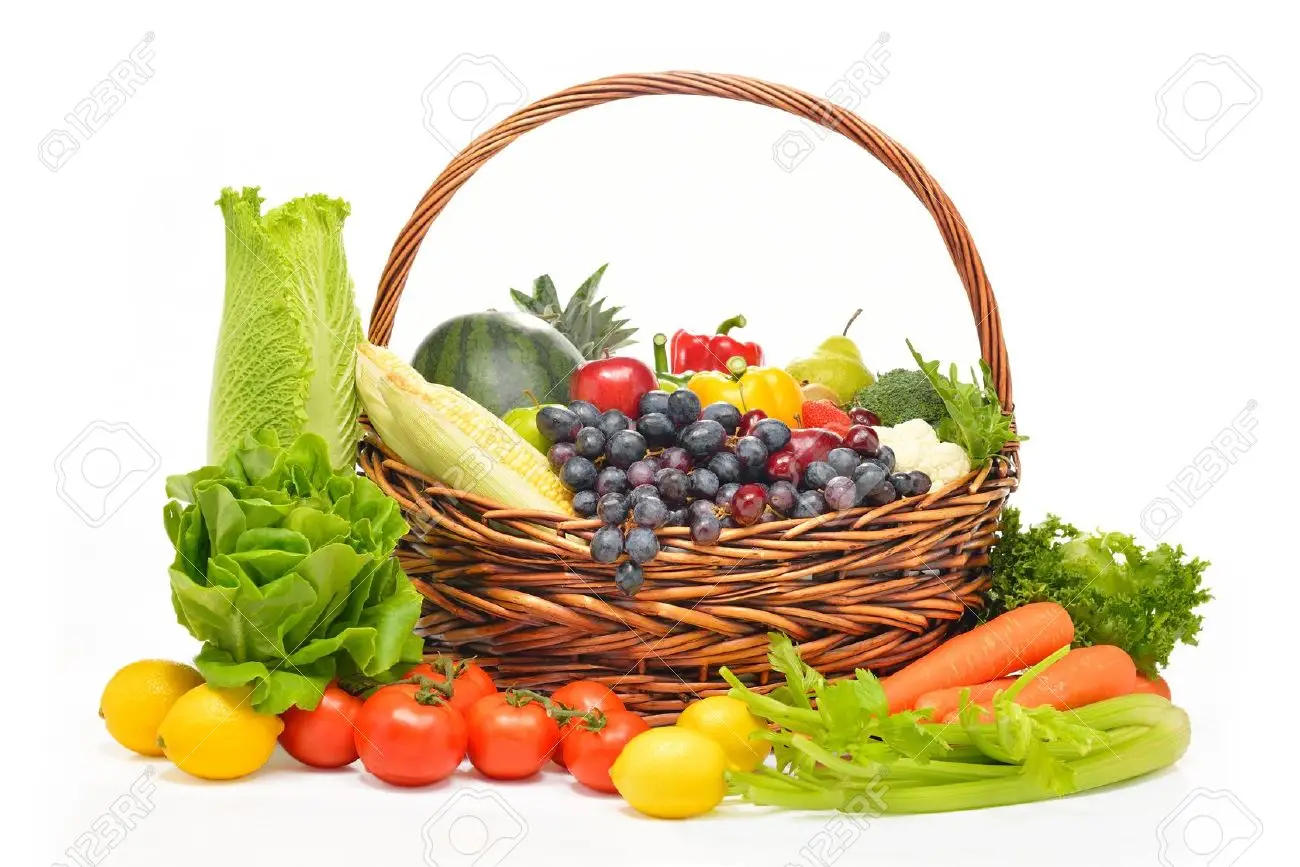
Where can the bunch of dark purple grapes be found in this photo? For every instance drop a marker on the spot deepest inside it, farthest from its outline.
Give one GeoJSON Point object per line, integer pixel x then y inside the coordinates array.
{"type": "Point", "coordinates": [678, 464]}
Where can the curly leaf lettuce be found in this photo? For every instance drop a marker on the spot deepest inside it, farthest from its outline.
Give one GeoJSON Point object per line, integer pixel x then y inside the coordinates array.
{"type": "Point", "coordinates": [284, 571]}
{"type": "Point", "coordinates": [1116, 591]}
{"type": "Point", "coordinates": [286, 354]}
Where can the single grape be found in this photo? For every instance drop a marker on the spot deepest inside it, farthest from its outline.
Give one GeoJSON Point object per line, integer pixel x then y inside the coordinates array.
{"type": "Point", "coordinates": [657, 429]}
{"type": "Point", "coordinates": [748, 420]}
{"type": "Point", "coordinates": [725, 493]}
{"type": "Point", "coordinates": [590, 443]}
{"type": "Point", "coordinates": [920, 482]}
{"type": "Point", "coordinates": [881, 494]}
{"type": "Point", "coordinates": [863, 440]}
{"type": "Point", "coordinates": [606, 544]}
{"type": "Point", "coordinates": [866, 478]}
{"type": "Point", "coordinates": [817, 475]}
{"type": "Point", "coordinates": [652, 402]}
{"type": "Point", "coordinates": [885, 455]}
{"type": "Point", "coordinates": [654, 463]}
{"type": "Point", "coordinates": [629, 578]}
{"type": "Point", "coordinates": [845, 461]}
{"type": "Point", "coordinates": [641, 472]}
{"type": "Point", "coordinates": [641, 492]}
{"type": "Point", "coordinates": [702, 439]}
{"type": "Point", "coordinates": [768, 517]}
{"type": "Point", "coordinates": [706, 529]}
{"type": "Point", "coordinates": [784, 467]}
{"type": "Point", "coordinates": [810, 505]}
{"type": "Point", "coordinates": [612, 421]}
{"type": "Point", "coordinates": [559, 454]}
{"type": "Point", "coordinates": [578, 473]}
{"type": "Point", "coordinates": [841, 493]}
{"type": "Point", "coordinates": [558, 424]}
{"type": "Point", "coordinates": [724, 414]}
{"type": "Point", "coordinates": [673, 485]}
{"type": "Point", "coordinates": [903, 485]}
{"type": "Point", "coordinates": [675, 458]}
{"type": "Point", "coordinates": [752, 454]}
{"type": "Point", "coordinates": [611, 480]}
{"type": "Point", "coordinates": [747, 504]}
{"type": "Point", "coordinates": [699, 509]}
{"type": "Point", "coordinates": [683, 406]}
{"type": "Point", "coordinates": [650, 512]}
{"type": "Point", "coordinates": [774, 433]}
{"type": "Point", "coordinates": [624, 448]}
{"type": "Point", "coordinates": [859, 415]}
{"type": "Point", "coordinates": [641, 544]}
{"type": "Point", "coordinates": [676, 518]}
{"type": "Point", "coordinates": [727, 523]}
{"type": "Point", "coordinates": [702, 483]}
{"type": "Point", "coordinates": [726, 466]}
{"type": "Point", "coordinates": [612, 508]}
{"type": "Point", "coordinates": [782, 496]}
{"type": "Point", "coordinates": [586, 412]}
{"type": "Point", "coordinates": [584, 503]}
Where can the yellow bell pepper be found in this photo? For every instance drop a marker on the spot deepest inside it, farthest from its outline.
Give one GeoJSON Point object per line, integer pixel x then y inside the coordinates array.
{"type": "Point", "coordinates": [770, 389]}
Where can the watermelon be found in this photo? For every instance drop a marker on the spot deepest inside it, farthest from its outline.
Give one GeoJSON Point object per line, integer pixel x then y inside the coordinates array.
{"type": "Point", "coordinates": [495, 357]}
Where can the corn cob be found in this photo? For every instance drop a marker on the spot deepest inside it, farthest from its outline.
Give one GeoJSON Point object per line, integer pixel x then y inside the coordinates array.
{"type": "Point", "coordinates": [443, 434]}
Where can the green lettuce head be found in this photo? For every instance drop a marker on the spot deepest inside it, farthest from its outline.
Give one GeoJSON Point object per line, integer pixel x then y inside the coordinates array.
{"type": "Point", "coordinates": [284, 571]}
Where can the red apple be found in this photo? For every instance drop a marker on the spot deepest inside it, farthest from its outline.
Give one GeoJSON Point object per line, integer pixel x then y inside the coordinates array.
{"type": "Point", "coordinates": [613, 383]}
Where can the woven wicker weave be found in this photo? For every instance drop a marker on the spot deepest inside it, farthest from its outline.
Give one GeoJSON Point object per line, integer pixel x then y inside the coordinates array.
{"type": "Point", "coordinates": [864, 588]}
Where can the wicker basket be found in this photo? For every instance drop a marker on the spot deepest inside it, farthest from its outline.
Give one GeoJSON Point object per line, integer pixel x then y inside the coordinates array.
{"type": "Point", "coordinates": [864, 588]}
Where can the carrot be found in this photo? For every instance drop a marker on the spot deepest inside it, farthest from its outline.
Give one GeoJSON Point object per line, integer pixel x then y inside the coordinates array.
{"type": "Point", "coordinates": [943, 702]}
{"type": "Point", "coordinates": [1010, 642]}
{"type": "Point", "coordinates": [1154, 685]}
{"type": "Point", "coordinates": [1082, 677]}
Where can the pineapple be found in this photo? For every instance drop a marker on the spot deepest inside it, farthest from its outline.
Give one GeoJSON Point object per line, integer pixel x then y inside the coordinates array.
{"type": "Point", "coordinates": [583, 320]}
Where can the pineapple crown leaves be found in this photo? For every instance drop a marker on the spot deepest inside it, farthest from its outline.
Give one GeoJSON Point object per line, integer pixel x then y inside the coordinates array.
{"type": "Point", "coordinates": [594, 330]}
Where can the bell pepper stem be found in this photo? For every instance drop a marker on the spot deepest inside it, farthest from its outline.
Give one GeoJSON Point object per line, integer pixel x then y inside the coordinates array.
{"type": "Point", "coordinates": [849, 324]}
{"type": "Point", "coordinates": [736, 366]}
{"type": "Point", "coordinates": [737, 321]}
{"type": "Point", "coordinates": [661, 363]}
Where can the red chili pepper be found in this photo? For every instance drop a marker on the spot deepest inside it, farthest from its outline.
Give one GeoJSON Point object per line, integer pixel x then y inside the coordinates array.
{"type": "Point", "coordinates": [711, 351]}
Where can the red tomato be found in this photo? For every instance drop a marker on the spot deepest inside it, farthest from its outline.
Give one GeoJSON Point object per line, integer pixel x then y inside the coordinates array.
{"type": "Point", "coordinates": [583, 695]}
{"type": "Point", "coordinates": [510, 736]}
{"type": "Point", "coordinates": [405, 742]}
{"type": "Point", "coordinates": [469, 682]}
{"type": "Point", "coordinates": [323, 738]}
{"type": "Point", "coordinates": [589, 754]}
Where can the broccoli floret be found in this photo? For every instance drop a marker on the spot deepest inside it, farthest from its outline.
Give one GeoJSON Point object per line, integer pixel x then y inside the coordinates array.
{"type": "Point", "coordinates": [901, 395]}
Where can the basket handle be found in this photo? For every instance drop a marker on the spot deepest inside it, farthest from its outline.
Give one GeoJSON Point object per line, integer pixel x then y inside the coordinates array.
{"type": "Point", "coordinates": [955, 235]}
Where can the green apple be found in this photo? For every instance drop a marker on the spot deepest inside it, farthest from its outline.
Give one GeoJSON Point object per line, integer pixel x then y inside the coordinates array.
{"type": "Point", "coordinates": [523, 419]}
{"type": "Point", "coordinates": [836, 364]}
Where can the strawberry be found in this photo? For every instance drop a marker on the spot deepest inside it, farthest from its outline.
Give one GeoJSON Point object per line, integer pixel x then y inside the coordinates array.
{"type": "Point", "coordinates": [825, 414]}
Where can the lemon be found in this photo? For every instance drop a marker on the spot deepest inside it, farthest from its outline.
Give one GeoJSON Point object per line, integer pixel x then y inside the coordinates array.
{"type": "Point", "coordinates": [138, 697]}
{"type": "Point", "coordinates": [215, 733]}
{"type": "Point", "coordinates": [671, 773]}
{"type": "Point", "coordinates": [728, 722]}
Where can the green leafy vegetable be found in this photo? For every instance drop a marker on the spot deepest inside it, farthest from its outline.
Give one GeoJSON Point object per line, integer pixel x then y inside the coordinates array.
{"type": "Point", "coordinates": [284, 571]}
{"type": "Point", "coordinates": [847, 752]}
{"type": "Point", "coordinates": [286, 354]}
{"type": "Point", "coordinates": [1116, 592]}
{"type": "Point", "coordinates": [975, 420]}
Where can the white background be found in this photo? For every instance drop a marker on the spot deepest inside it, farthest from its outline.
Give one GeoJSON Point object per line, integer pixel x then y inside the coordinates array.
{"type": "Point", "coordinates": [1145, 298]}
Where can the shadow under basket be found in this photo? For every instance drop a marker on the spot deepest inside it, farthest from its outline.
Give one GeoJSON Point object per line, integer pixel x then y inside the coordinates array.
{"type": "Point", "coordinates": [866, 588]}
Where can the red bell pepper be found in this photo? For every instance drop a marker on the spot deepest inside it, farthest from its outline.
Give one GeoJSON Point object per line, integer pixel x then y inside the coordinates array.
{"type": "Point", "coordinates": [711, 351]}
